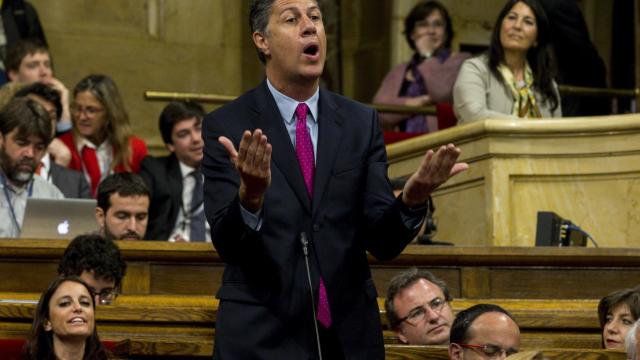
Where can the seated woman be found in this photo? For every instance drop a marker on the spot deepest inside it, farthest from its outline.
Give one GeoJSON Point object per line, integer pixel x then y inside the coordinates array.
{"type": "Point", "coordinates": [514, 79]}
{"type": "Point", "coordinates": [102, 140]}
{"type": "Point", "coordinates": [64, 324]}
{"type": "Point", "coordinates": [429, 76]}
{"type": "Point", "coordinates": [617, 312]}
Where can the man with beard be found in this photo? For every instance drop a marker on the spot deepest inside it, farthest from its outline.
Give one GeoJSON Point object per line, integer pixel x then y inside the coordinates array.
{"type": "Point", "coordinates": [25, 132]}
{"type": "Point", "coordinates": [123, 207]}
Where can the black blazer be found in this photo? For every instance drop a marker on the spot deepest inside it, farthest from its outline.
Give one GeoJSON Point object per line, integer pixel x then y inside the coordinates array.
{"type": "Point", "coordinates": [264, 308]}
{"type": "Point", "coordinates": [71, 183]}
{"type": "Point", "coordinates": [164, 179]}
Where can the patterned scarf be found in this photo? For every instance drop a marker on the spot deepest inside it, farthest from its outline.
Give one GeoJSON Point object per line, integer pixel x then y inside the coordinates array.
{"type": "Point", "coordinates": [525, 104]}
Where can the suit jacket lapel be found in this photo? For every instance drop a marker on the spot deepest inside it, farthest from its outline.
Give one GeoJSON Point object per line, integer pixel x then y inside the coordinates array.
{"type": "Point", "coordinates": [175, 182]}
{"type": "Point", "coordinates": [329, 138]}
{"type": "Point", "coordinates": [283, 155]}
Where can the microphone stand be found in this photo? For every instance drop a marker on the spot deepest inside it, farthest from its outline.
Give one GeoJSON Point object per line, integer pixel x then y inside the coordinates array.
{"type": "Point", "coordinates": [305, 251]}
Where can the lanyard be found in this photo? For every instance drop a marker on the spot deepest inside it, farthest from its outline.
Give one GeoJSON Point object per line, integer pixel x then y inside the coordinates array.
{"type": "Point", "coordinates": [3, 180]}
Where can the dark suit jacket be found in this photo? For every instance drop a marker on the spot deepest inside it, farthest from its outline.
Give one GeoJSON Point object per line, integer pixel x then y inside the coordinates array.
{"type": "Point", "coordinates": [71, 183]}
{"type": "Point", "coordinates": [164, 179]}
{"type": "Point", "coordinates": [265, 305]}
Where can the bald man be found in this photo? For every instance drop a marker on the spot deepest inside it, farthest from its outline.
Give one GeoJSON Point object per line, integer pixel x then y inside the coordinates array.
{"type": "Point", "coordinates": [483, 331]}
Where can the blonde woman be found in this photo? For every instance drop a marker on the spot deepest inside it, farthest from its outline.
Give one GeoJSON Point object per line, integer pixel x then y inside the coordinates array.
{"type": "Point", "coordinates": [102, 141]}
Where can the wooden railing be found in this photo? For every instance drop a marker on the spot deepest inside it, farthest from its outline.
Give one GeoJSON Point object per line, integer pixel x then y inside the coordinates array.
{"type": "Point", "coordinates": [427, 110]}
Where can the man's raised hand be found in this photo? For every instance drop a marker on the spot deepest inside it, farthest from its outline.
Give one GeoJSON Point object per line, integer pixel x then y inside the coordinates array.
{"type": "Point", "coordinates": [253, 163]}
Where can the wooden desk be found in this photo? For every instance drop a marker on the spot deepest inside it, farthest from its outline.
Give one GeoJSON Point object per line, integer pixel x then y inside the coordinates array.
{"type": "Point", "coordinates": [185, 325]}
{"type": "Point", "coordinates": [402, 352]}
{"type": "Point", "coordinates": [470, 272]}
{"type": "Point", "coordinates": [584, 169]}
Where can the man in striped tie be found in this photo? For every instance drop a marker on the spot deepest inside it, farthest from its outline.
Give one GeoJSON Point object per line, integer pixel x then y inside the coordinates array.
{"type": "Point", "coordinates": [296, 194]}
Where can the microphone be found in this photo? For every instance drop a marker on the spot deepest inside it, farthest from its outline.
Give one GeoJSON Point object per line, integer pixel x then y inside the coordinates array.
{"type": "Point", "coordinates": [305, 251]}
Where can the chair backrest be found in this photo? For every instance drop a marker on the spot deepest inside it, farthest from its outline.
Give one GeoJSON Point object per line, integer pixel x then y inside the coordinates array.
{"type": "Point", "coordinates": [446, 116]}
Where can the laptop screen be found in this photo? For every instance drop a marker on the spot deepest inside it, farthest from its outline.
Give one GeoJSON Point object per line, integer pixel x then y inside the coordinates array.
{"type": "Point", "coordinates": [58, 218]}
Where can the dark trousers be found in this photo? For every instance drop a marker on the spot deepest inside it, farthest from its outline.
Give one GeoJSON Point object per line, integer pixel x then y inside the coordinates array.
{"type": "Point", "coordinates": [330, 344]}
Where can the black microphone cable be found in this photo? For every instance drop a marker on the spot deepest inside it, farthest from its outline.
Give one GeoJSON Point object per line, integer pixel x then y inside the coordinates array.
{"type": "Point", "coordinates": [305, 251]}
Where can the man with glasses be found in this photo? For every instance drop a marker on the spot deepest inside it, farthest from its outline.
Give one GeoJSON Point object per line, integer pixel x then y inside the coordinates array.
{"type": "Point", "coordinates": [418, 309]}
{"type": "Point", "coordinates": [97, 261]}
{"type": "Point", "coordinates": [484, 331]}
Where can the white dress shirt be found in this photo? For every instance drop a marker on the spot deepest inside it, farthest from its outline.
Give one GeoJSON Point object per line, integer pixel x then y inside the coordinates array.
{"type": "Point", "coordinates": [182, 227]}
{"type": "Point", "coordinates": [13, 201]}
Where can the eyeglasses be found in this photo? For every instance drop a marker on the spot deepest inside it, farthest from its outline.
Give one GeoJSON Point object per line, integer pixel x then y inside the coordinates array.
{"type": "Point", "coordinates": [89, 111]}
{"type": "Point", "coordinates": [418, 314]}
{"type": "Point", "coordinates": [433, 24]}
{"type": "Point", "coordinates": [489, 350]}
{"type": "Point", "coordinates": [107, 296]}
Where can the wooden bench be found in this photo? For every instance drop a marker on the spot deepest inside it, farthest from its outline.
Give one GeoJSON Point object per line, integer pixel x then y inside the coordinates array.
{"type": "Point", "coordinates": [404, 352]}
{"type": "Point", "coordinates": [163, 324]}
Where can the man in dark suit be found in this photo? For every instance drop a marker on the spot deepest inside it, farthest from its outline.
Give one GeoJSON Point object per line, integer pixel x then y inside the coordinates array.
{"type": "Point", "coordinates": [170, 179]}
{"type": "Point", "coordinates": [71, 183]}
{"type": "Point", "coordinates": [295, 209]}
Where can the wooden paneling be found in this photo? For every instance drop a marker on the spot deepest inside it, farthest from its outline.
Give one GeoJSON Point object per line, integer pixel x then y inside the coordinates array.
{"type": "Point", "coordinates": [470, 272]}
{"type": "Point", "coordinates": [179, 326]}
{"type": "Point", "coordinates": [399, 352]}
{"type": "Point", "coordinates": [584, 169]}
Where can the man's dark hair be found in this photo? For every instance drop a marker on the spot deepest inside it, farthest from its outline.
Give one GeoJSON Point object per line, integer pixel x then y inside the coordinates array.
{"type": "Point", "coordinates": [44, 91]}
{"type": "Point", "coordinates": [29, 117]}
{"type": "Point", "coordinates": [124, 184]}
{"type": "Point", "coordinates": [259, 19]}
{"type": "Point", "coordinates": [20, 49]}
{"type": "Point", "coordinates": [403, 281]}
{"type": "Point", "coordinates": [460, 328]}
{"type": "Point", "coordinates": [175, 112]}
{"type": "Point", "coordinates": [96, 254]}
{"type": "Point", "coordinates": [421, 11]}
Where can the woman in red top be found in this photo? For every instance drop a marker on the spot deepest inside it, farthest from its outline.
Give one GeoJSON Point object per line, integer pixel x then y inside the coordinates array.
{"type": "Point", "coordinates": [102, 140]}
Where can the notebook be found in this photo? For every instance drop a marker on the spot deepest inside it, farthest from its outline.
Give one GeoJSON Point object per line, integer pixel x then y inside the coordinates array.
{"type": "Point", "coordinates": [58, 218]}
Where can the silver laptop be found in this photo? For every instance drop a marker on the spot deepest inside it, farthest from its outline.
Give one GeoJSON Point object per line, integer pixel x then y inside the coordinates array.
{"type": "Point", "coordinates": [58, 218]}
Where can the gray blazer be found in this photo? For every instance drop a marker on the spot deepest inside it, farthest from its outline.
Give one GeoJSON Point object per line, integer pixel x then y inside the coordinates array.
{"type": "Point", "coordinates": [71, 183]}
{"type": "Point", "coordinates": [479, 95]}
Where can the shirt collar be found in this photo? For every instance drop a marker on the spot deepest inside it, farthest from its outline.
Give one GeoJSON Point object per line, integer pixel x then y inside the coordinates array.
{"type": "Point", "coordinates": [81, 142]}
{"type": "Point", "coordinates": [185, 169]}
{"type": "Point", "coordinates": [287, 105]}
{"type": "Point", "coordinates": [46, 163]}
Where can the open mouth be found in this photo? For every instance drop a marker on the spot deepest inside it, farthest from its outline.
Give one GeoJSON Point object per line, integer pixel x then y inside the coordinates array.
{"type": "Point", "coordinates": [311, 50]}
{"type": "Point", "coordinates": [77, 321]}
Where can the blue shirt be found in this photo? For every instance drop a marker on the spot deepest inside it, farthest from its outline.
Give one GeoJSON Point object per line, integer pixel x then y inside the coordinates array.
{"type": "Point", "coordinates": [287, 107]}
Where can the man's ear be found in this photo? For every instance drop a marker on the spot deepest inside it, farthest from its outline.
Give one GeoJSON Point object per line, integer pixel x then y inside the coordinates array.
{"type": "Point", "coordinates": [455, 352]}
{"type": "Point", "coordinates": [100, 217]}
{"type": "Point", "coordinates": [1, 139]}
{"type": "Point", "coordinates": [12, 75]}
{"type": "Point", "coordinates": [262, 43]}
{"type": "Point", "coordinates": [47, 325]}
{"type": "Point", "coordinates": [403, 339]}
{"type": "Point", "coordinates": [170, 147]}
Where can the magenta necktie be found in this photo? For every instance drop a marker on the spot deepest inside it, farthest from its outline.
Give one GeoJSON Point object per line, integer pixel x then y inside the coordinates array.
{"type": "Point", "coordinates": [304, 153]}
{"type": "Point", "coordinates": [304, 147]}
